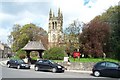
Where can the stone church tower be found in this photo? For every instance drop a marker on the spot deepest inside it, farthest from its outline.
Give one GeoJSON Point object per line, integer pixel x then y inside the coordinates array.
{"type": "Point", "coordinates": [55, 30]}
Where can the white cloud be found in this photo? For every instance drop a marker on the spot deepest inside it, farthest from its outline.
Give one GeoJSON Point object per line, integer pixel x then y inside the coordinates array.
{"type": "Point", "coordinates": [28, 17]}
{"type": "Point", "coordinates": [25, 1]}
{"type": "Point", "coordinates": [5, 16]}
{"type": "Point", "coordinates": [77, 10]}
{"type": "Point", "coordinates": [71, 9]}
{"type": "Point", "coordinates": [4, 34]}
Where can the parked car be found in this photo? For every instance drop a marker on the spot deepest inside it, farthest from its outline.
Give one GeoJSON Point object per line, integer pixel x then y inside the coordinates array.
{"type": "Point", "coordinates": [106, 68]}
{"type": "Point", "coordinates": [48, 65]}
{"type": "Point", "coordinates": [17, 64]}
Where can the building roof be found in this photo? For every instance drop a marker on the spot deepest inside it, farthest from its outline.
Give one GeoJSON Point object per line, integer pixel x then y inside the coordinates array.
{"type": "Point", "coordinates": [34, 45]}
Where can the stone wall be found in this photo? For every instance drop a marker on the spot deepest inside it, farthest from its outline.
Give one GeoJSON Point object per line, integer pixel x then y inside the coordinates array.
{"type": "Point", "coordinates": [86, 66]}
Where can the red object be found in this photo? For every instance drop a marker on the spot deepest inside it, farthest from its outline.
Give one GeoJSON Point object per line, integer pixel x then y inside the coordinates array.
{"type": "Point", "coordinates": [76, 54]}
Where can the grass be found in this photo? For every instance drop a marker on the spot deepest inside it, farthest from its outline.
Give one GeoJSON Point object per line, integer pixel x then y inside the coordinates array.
{"type": "Point", "coordinates": [88, 60]}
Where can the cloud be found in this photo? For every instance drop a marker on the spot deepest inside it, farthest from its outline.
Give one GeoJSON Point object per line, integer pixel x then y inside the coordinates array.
{"type": "Point", "coordinates": [4, 34]}
{"type": "Point", "coordinates": [28, 17]}
{"type": "Point", "coordinates": [37, 12]}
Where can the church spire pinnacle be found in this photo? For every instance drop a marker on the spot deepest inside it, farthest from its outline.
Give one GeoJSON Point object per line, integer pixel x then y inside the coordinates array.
{"type": "Point", "coordinates": [59, 13]}
{"type": "Point", "coordinates": [50, 14]}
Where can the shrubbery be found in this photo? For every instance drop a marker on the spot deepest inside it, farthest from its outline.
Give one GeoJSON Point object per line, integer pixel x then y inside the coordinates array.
{"type": "Point", "coordinates": [21, 54]}
{"type": "Point", "coordinates": [55, 53]}
{"type": "Point", "coordinates": [34, 55]}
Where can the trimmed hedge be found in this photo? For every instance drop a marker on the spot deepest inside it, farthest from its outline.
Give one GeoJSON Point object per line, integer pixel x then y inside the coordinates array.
{"type": "Point", "coordinates": [55, 53]}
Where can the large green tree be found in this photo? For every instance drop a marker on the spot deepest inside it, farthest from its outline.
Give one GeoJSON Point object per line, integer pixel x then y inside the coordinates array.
{"type": "Point", "coordinates": [112, 17]}
{"type": "Point", "coordinates": [72, 36]}
{"type": "Point", "coordinates": [20, 35]}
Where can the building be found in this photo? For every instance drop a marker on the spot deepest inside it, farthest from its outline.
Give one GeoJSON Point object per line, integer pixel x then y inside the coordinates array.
{"type": "Point", "coordinates": [55, 29]}
{"type": "Point", "coordinates": [5, 50]}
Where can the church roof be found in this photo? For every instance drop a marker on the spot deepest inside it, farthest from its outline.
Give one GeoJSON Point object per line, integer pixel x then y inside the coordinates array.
{"type": "Point", "coordinates": [34, 45]}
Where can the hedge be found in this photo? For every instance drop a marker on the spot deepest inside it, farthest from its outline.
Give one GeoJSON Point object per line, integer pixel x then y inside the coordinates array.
{"type": "Point", "coordinates": [55, 53]}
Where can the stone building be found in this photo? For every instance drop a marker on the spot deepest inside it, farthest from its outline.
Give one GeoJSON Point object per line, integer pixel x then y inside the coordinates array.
{"type": "Point", "coordinates": [55, 29]}
{"type": "Point", "coordinates": [5, 50]}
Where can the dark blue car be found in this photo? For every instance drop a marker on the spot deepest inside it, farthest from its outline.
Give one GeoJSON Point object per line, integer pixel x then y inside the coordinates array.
{"type": "Point", "coordinates": [106, 68]}
{"type": "Point", "coordinates": [49, 66]}
{"type": "Point", "coordinates": [17, 64]}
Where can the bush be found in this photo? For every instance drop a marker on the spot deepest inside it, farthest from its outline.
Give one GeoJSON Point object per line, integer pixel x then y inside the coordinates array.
{"type": "Point", "coordinates": [34, 55]}
{"type": "Point", "coordinates": [54, 53]}
{"type": "Point", "coordinates": [21, 54]}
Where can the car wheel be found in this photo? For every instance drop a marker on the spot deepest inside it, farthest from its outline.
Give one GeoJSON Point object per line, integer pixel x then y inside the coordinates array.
{"type": "Point", "coordinates": [8, 65]}
{"type": "Point", "coordinates": [54, 70]}
{"type": "Point", "coordinates": [18, 67]}
{"type": "Point", "coordinates": [96, 73]}
{"type": "Point", "coordinates": [36, 68]}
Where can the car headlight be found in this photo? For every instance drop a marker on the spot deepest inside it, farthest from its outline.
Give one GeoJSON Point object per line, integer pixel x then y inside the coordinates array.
{"type": "Point", "coordinates": [22, 64]}
{"type": "Point", "coordinates": [59, 67]}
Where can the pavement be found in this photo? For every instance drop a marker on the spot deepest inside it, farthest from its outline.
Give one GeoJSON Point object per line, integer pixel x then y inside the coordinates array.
{"type": "Point", "coordinates": [4, 61]}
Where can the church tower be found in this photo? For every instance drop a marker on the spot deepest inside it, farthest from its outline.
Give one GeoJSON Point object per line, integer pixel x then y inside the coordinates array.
{"type": "Point", "coordinates": [55, 30]}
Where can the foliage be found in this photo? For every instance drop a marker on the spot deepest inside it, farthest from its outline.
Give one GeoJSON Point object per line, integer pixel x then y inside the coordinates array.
{"type": "Point", "coordinates": [112, 17]}
{"type": "Point", "coordinates": [94, 37]}
{"type": "Point", "coordinates": [71, 36]}
{"type": "Point", "coordinates": [21, 54]}
{"type": "Point", "coordinates": [55, 53]}
{"type": "Point", "coordinates": [20, 35]}
{"type": "Point", "coordinates": [34, 55]}
{"type": "Point", "coordinates": [111, 46]}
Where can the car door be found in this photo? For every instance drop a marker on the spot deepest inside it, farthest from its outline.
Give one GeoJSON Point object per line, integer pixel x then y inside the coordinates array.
{"type": "Point", "coordinates": [46, 65]}
{"type": "Point", "coordinates": [101, 67]}
{"type": "Point", "coordinates": [111, 69]}
{"type": "Point", "coordinates": [39, 64]}
{"type": "Point", "coordinates": [13, 62]}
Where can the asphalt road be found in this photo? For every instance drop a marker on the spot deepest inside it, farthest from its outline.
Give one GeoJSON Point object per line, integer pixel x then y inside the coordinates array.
{"type": "Point", "coordinates": [30, 73]}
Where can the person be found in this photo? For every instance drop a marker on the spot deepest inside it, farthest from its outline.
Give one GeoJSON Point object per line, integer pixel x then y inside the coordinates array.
{"type": "Point", "coordinates": [104, 56]}
{"type": "Point", "coordinates": [68, 62]}
{"type": "Point", "coordinates": [25, 60]}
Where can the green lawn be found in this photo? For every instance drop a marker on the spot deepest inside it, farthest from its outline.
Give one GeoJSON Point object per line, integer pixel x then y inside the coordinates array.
{"type": "Point", "coordinates": [88, 60]}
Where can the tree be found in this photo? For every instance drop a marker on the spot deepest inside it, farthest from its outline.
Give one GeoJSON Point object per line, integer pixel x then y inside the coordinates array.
{"type": "Point", "coordinates": [112, 17]}
{"type": "Point", "coordinates": [71, 36]}
{"type": "Point", "coordinates": [94, 37]}
{"type": "Point", "coordinates": [29, 32]}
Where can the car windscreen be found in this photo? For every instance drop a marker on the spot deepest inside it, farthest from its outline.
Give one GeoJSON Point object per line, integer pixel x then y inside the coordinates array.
{"type": "Point", "coordinates": [52, 62]}
{"type": "Point", "coordinates": [21, 61]}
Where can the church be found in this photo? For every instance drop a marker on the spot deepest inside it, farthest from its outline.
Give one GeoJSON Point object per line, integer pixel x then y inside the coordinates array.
{"type": "Point", "coordinates": [55, 29]}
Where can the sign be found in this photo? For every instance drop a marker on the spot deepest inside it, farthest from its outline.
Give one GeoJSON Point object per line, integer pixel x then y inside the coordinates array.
{"type": "Point", "coordinates": [76, 54]}
{"type": "Point", "coordinates": [66, 59]}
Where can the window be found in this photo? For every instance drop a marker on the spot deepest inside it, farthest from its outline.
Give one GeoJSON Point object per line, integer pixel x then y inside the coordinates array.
{"type": "Point", "coordinates": [53, 24]}
{"type": "Point", "coordinates": [40, 61]}
{"type": "Point", "coordinates": [102, 64]}
{"type": "Point", "coordinates": [108, 64]}
{"type": "Point", "coordinates": [45, 62]}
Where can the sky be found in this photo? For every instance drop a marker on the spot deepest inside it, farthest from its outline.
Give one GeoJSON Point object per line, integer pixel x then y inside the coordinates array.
{"type": "Point", "coordinates": [37, 12]}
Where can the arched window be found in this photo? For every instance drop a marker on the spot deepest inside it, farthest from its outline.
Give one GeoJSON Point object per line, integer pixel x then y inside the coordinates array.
{"type": "Point", "coordinates": [53, 24]}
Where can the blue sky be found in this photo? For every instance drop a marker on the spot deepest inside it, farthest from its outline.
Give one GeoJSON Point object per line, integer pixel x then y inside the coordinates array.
{"type": "Point", "coordinates": [37, 12]}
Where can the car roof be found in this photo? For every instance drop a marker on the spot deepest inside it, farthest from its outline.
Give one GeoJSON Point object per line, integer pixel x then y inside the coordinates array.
{"type": "Point", "coordinates": [43, 60]}
{"type": "Point", "coordinates": [108, 61]}
{"type": "Point", "coordinates": [16, 59]}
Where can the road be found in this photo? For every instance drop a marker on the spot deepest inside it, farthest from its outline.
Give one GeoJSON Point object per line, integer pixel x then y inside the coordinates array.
{"type": "Point", "coordinates": [26, 73]}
